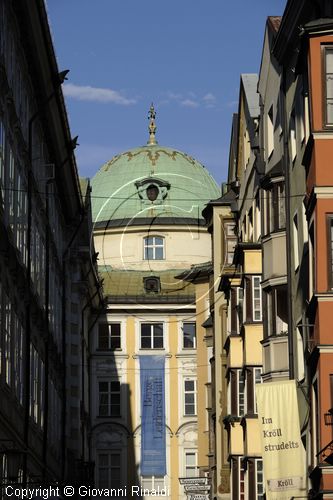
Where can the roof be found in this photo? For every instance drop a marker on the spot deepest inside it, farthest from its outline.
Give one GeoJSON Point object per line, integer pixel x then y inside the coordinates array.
{"type": "Point", "coordinates": [250, 84]}
{"type": "Point", "coordinates": [128, 286]}
{"type": "Point", "coordinates": [182, 184]}
{"type": "Point", "coordinates": [197, 272]}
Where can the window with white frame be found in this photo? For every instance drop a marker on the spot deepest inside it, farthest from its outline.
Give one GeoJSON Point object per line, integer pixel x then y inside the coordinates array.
{"type": "Point", "coordinates": [109, 396]}
{"type": "Point", "coordinates": [109, 336]}
{"type": "Point", "coordinates": [109, 469]}
{"type": "Point", "coordinates": [189, 335]}
{"type": "Point", "coordinates": [277, 313]}
{"type": "Point", "coordinates": [191, 463]}
{"type": "Point", "coordinates": [259, 475]}
{"type": "Point", "coordinates": [153, 248]}
{"type": "Point", "coordinates": [295, 242]}
{"type": "Point", "coordinates": [190, 397]}
{"type": "Point", "coordinates": [152, 336]}
{"type": "Point", "coordinates": [256, 298]}
{"type": "Point", "coordinates": [257, 380]}
{"type": "Point", "coordinates": [328, 77]}
{"type": "Point", "coordinates": [230, 240]}
{"type": "Point", "coordinates": [153, 482]}
{"type": "Point", "coordinates": [36, 386]}
{"type": "Point", "coordinates": [292, 136]}
{"type": "Point", "coordinates": [241, 479]}
{"type": "Point", "coordinates": [270, 132]}
{"type": "Point", "coordinates": [237, 392]}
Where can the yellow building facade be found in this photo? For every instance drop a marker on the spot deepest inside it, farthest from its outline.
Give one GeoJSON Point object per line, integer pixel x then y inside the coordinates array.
{"type": "Point", "coordinates": [149, 363]}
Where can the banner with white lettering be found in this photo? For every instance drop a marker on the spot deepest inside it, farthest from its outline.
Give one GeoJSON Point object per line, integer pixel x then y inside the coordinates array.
{"type": "Point", "coordinates": [283, 452]}
{"type": "Point", "coordinates": [153, 449]}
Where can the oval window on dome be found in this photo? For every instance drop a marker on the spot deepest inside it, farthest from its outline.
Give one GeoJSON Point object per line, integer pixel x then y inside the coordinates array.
{"type": "Point", "coordinates": [152, 192]}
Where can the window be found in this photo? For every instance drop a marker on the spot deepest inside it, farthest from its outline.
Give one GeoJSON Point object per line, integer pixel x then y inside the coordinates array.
{"type": "Point", "coordinates": [191, 467]}
{"type": "Point", "coordinates": [295, 242]}
{"type": "Point", "coordinates": [109, 336]}
{"type": "Point", "coordinates": [270, 132]}
{"type": "Point", "coordinates": [230, 240]}
{"type": "Point", "coordinates": [256, 298]}
{"type": "Point", "coordinates": [328, 85]}
{"type": "Point", "coordinates": [259, 479]}
{"type": "Point", "coordinates": [241, 480]}
{"type": "Point", "coordinates": [189, 335]}
{"type": "Point", "coordinates": [277, 316]}
{"type": "Point", "coordinates": [109, 471]}
{"type": "Point", "coordinates": [109, 398]}
{"type": "Point", "coordinates": [292, 136]}
{"type": "Point", "coordinates": [153, 248]}
{"type": "Point", "coordinates": [237, 392]}
{"type": "Point", "coordinates": [151, 335]}
{"type": "Point", "coordinates": [330, 251]}
{"type": "Point", "coordinates": [275, 208]}
{"type": "Point", "coordinates": [152, 482]}
{"type": "Point", "coordinates": [190, 397]}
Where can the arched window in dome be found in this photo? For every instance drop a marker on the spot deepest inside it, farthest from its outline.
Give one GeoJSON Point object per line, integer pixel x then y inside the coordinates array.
{"type": "Point", "coordinates": [154, 248]}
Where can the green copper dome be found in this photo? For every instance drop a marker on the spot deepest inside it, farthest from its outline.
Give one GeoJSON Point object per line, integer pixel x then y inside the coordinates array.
{"type": "Point", "coordinates": [151, 182]}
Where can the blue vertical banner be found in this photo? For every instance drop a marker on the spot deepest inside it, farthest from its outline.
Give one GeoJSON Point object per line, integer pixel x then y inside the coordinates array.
{"type": "Point", "coordinates": [153, 449]}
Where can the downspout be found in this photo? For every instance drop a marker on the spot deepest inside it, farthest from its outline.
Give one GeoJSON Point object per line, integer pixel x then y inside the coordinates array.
{"type": "Point", "coordinates": [288, 237]}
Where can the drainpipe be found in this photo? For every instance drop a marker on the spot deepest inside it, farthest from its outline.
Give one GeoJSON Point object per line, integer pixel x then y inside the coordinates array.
{"type": "Point", "coordinates": [288, 236]}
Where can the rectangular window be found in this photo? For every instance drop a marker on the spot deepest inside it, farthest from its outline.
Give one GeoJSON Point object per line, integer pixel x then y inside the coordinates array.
{"type": "Point", "coordinates": [8, 340]}
{"type": "Point", "coordinates": [151, 335]}
{"type": "Point", "coordinates": [330, 251]}
{"type": "Point", "coordinates": [292, 136]}
{"type": "Point", "coordinates": [257, 380]}
{"type": "Point", "coordinates": [153, 248]}
{"type": "Point", "coordinates": [109, 469]}
{"type": "Point", "coordinates": [328, 86]}
{"type": "Point", "coordinates": [241, 394]}
{"type": "Point", "coordinates": [270, 132]}
{"type": "Point", "coordinates": [259, 479]}
{"type": "Point", "coordinates": [241, 480]}
{"type": "Point", "coordinates": [152, 482]}
{"type": "Point", "coordinates": [295, 242]}
{"type": "Point", "coordinates": [277, 317]}
{"type": "Point", "coordinates": [189, 335]}
{"type": "Point", "coordinates": [109, 336]}
{"type": "Point", "coordinates": [230, 240]}
{"type": "Point", "coordinates": [191, 467]}
{"type": "Point", "coordinates": [256, 298]}
{"type": "Point", "coordinates": [190, 397]}
{"type": "Point", "coordinates": [109, 398]}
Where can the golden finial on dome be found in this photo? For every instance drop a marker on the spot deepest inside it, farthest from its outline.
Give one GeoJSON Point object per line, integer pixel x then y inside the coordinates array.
{"type": "Point", "coordinates": [152, 125]}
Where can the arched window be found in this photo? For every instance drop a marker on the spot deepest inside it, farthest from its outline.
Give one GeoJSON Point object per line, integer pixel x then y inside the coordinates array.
{"type": "Point", "coordinates": [153, 248]}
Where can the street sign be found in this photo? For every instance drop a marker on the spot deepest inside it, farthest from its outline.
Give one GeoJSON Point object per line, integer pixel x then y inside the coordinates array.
{"type": "Point", "coordinates": [193, 480]}
{"type": "Point", "coordinates": [197, 488]}
{"type": "Point", "coordinates": [199, 497]}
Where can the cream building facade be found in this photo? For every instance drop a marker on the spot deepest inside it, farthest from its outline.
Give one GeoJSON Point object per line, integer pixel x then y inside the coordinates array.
{"type": "Point", "coordinates": [149, 231]}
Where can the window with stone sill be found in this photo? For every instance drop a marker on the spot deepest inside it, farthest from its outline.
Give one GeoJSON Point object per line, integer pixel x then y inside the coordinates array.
{"type": "Point", "coordinates": [275, 207]}
{"type": "Point", "coordinates": [328, 85]}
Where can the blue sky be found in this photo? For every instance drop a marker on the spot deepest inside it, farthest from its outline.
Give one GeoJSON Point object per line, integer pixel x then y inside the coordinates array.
{"type": "Point", "coordinates": [186, 56]}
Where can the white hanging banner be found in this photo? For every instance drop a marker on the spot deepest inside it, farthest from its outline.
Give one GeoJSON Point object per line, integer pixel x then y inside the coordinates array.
{"type": "Point", "coordinates": [282, 449]}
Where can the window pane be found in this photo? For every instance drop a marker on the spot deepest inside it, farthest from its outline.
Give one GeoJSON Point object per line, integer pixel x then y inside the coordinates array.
{"type": "Point", "coordinates": [190, 458]}
{"type": "Point", "coordinates": [159, 241]}
{"type": "Point", "coordinates": [103, 336]}
{"type": "Point", "coordinates": [189, 335]}
{"type": "Point", "coordinates": [158, 342]}
{"type": "Point", "coordinates": [103, 459]}
{"type": "Point", "coordinates": [189, 398]}
{"type": "Point", "coordinates": [149, 241]}
{"type": "Point", "coordinates": [158, 253]}
{"type": "Point", "coordinates": [189, 385]}
{"type": "Point", "coordinates": [145, 343]}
